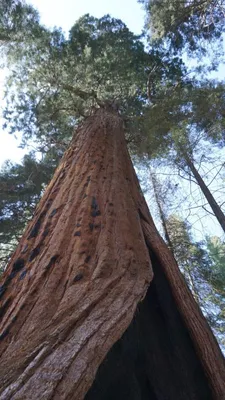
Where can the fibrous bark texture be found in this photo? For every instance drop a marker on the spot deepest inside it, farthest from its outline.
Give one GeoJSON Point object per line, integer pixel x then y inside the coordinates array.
{"type": "Point", "coordinates": [70, 294]}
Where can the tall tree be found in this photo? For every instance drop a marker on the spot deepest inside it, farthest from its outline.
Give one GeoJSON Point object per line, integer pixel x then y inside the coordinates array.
{"type": "Point", "coordinates": [74, 282]}
{"type": "Point", "coordinates": [87, 258]}
{"type": "Point", "coordinates": [55, 82]}
{"type": "Point", "coordinates": [203, 270]}
{"type": "Point", "coordinates": [208, 195]}
{"type": "Point", "coordinates": [177, 125]}
{"type": "Point", "coordinates": [201, 265]}
{"type": "Point", "coordinates": [215, 275]}
{"type": "Point", "coordinates": [158, 198]}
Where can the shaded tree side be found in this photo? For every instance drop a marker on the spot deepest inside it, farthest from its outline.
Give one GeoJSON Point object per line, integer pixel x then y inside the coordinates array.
{"type": "Point", "coordinates": [155, 358]}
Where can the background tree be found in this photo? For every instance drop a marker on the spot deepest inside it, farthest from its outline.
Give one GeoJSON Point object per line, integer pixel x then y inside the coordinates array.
{"type": "Point", "coordinates": [186, 24]}
{"type": "Point", "coordinates": [21, 186]}
{"type": "Point", "coordinates": [178, 126]}
{"type": "Point", "coordinates": [199, 270]}
{"type": "Point", "coordinates": [193, 256]}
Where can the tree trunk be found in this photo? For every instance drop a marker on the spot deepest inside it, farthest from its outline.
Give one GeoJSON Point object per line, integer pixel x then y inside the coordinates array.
{"type": "Point", "coordinates": [185, 270]}
{"type": "Point", "coordinates": [208, 195]}
{"type": "Point", "coordinates": [70, 293]}
{"type": "Point", "coordinates": [161, 212]}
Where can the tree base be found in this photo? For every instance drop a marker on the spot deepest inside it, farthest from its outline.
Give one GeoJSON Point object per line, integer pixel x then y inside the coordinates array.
{"type": "Point", "coordinates": [155, 358]}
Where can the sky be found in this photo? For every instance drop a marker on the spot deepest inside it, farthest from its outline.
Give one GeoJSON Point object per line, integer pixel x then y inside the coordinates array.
{"type": "Point", "coordinates": [64, 14]}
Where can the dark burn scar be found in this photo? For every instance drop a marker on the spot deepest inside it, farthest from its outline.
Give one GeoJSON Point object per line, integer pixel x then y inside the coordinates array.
{"type": "Point", "coordinates": [52, 261]}
{"type": "Point", "coordinates": [22, 275]}
{"type": "Point", "coordinates": [95, 209]}
{"type": "Point", "coordinates": [53, 212]}
{"type": "Point", "coordinates": [94, 204]}
{"type": "Point", "coordinates": [4, 307]}
{"type": "Point", "coordinates": [3, 289]}
{"type": "Point", "coordinates": [34, 253]}
{"type": "Point", "coordinates": [78, 277]}
{"type": "Point", "coordinates": [4, 334]}
{"type": "Point", "coordinates": [77, 233]}
{"type": "Point", "coordinates": [18, 265]}
{"type": "Point", "coordinates": [91, 226]}
{"type": "Point", "coordinates": [95, 213]}
{"type": "Point", "coordinates": [34, 231]}
{"type": "Point", "coordinates": [87, 259]}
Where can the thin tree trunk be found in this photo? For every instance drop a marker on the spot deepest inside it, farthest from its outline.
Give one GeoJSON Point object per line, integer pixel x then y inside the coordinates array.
{"type": "Point", "coordinates": [161, 212]}
{"type": "Point", "coordinates": [208, 195]}
{"type": "Point", "coordinates": [74, 283]}
{"type": "Point", "coordinates": [186, 270]}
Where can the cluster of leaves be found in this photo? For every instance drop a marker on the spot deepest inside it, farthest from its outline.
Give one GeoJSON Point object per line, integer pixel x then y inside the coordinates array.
{"type": "Point", "coordinates": [204, 270]}
{"type": "Point", "coordinates": [57, 81]}
{"type": "Point", "coordinates": [216, 274]}
{"type": "Point", "coordinates": [18, 20]}
{"type": "Point", "coordinates": [183, 115]}
{"type": "Point", "coordinates": [21, 187]}
{"type": "Point", "coordinates": [186, 24]}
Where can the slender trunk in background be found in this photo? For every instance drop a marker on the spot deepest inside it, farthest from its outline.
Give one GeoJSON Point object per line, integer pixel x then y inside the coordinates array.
{"type": "Point", "coordinates": [161, 212]}
{"type": "Point", "coordinates": [185, 270]}
{"type": "Point", "coordinates": [208, 195]}
{"type": "Point", "coordinates": [81, 270]}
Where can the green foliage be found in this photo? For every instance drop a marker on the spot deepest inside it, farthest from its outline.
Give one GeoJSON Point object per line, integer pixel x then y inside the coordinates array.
{"type": "Point", "coordinates": [186, 24]}
{"type": "Point", "coordinates": [203, 269]}
{"type": "Point", "coordinates": [21, 186]}
{"type": "Point", "coordinates": [189, 254]}
{"type": "Point", "coordinates": [18, 21]}
{"type": "Point", "coordinates": [216, 274]}
{"type": "Point", "coordinates": [58, 81]}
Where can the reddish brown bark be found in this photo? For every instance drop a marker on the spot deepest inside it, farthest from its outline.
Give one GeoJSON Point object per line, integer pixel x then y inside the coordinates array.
{"type": "Point", "coordinates": [80, 270]}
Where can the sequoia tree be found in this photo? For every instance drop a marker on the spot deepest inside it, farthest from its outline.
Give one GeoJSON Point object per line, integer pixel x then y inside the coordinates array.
{"type": "Point", "coordinates": [93, 304]}
{"type": "Point", "coordinates": [81, 269]}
